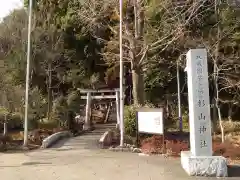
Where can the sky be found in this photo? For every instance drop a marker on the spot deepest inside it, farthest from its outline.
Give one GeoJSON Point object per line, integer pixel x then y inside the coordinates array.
{"type": "Point", "coordinates": [6, 6]}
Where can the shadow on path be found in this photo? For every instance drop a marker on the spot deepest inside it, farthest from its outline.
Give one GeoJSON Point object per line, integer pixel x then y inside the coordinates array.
{"type": "Point", "coordinates": [35, 163]}
{"type": "Point", "coordinates": [29, 164]}
{"type": "Point", "coordinates": [233, 171]}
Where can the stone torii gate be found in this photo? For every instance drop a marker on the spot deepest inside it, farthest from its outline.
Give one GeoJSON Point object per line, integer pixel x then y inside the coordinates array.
{"type": "Point", "coordinates": [90, 94]}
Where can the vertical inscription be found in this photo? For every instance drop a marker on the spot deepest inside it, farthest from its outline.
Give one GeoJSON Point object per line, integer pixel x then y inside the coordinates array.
{"type": "Point", "coordinates": [203, 143]}
{"type": "Point", "coordinates": [200, 100]}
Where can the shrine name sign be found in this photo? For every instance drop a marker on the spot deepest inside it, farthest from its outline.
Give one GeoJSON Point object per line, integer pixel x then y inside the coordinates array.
{"type": "Point", "coordinates": [199, 106]}
{"type": "Point", "coordinates": [150, 120]}
{"type": "Point", "coordinates": [200, 161]}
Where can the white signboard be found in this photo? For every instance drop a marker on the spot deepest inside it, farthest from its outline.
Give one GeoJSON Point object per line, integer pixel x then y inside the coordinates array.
{"type": "Point", "coordinates": [150, 121]}
{"type": "Point", "coordinates": [199, 106]}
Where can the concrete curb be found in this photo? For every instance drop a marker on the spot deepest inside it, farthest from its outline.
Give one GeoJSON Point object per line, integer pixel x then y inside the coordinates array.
{"type": "Point", "coordinates": [126, 148]}
{"type": "Point", "coordinates": [50, 140]}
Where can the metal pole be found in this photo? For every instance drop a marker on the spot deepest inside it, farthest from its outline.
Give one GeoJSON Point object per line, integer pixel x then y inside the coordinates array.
{"type": "Point", "coordinates": [117, 109]}
{"type": "Point", "coordinates": [179, 98]}
{"type": "Point", "coordinates": [121, 74]}
{"type": "Point", "coordinates": [25, 143]}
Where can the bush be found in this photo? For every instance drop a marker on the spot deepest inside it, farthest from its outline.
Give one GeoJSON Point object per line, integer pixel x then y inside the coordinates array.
{"type": "Point", "coordinates": [60, 110]}
{"type": "Point", "coordinates": [226, 149]}
{"type": "Point", "coordinates": [16, 120]}
{"type": "Point", "coordinates": [130, 120]}
{"type": "Point", "coordinates": [173, 145]}
{"type": "Point", "coordinates": [38, 105]}
{"type": "Point", "coordinates": [44, 124]}
{"type": "Point", "coordinates": [185, 122]}
{"type": "Point", "coordinates": [74, 100]}
{"type": "Point", "coordinates": [3, 112]}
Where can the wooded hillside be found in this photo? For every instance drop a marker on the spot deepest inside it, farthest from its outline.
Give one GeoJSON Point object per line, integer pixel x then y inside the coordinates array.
{"type": "Point", "coordinates": [75, 45]}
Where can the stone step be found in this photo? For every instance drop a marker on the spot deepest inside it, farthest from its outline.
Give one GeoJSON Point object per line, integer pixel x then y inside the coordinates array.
{"type": "Point", "coordinates": [88, 139]}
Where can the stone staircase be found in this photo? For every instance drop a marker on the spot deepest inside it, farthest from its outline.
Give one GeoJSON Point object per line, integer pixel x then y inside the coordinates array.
{"type": "Point", "coordinates": [88, 140]}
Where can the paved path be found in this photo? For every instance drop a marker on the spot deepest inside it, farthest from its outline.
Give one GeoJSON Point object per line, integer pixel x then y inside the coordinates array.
{"type": "Point", "coordinates": [79, 159]}
{"type": "Point", "coordinates": [86, 164]}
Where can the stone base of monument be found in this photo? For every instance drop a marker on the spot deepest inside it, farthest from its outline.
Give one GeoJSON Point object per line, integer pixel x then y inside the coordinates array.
{"type": "Point", "coordinates": [214, 166]}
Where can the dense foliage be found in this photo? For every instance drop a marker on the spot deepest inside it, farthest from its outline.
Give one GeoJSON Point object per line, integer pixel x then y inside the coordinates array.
{"type": "Point", "coordinates": [75, 44]}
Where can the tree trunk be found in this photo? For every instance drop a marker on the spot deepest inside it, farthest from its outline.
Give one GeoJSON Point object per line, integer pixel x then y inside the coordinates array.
{"type": "Point", "coordinates": [217, 110]}
{"type": "Point", "coordinates": [140, 19]}
{"type": "Point", "coordinates": [138, 86]}
{"type": "Point", "coordinates": [221, 124]}
{"type": "Point", "coordinates": [137, 73]}
{"type": "Point", "coordinates": [135, 33]}
{"type": "Point", "coordinates": [214, 110]}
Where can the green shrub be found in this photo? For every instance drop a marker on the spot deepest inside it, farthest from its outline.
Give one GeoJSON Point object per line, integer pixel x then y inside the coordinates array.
{"type": "Point", "coordinates": [173, 122]}
{"type": "Point", "coordinates": [16, 119]}
{"type": "Point", "coordinates": [38, 105]}
{"type": "Point", "coordinates": [44, 124]}
{"type": "Point", "coordinates": [60, 111]}
{"type": "Point", "coordinates": [74, 100]}
{"type": "Point", "coordinates": [3, 112]}
{"type": "Point", "coordinates": [185, 124]}
{"type": "Point", "coordinates": [130, 120]}
{"type": "Point", "coordinates": [185, 121]}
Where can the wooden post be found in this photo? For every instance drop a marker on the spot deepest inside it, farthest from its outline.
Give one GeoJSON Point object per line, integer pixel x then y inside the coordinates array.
{"type": "Point", "coordinates": [87, 124]}
{"type": "Point", "coordinates": [107, 114]}
{"type": "Point", "coordinates": [117, 110]}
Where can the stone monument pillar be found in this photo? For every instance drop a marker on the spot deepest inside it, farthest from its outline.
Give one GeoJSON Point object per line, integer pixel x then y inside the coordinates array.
{"type": "Point", "coordinates": [199, 160]}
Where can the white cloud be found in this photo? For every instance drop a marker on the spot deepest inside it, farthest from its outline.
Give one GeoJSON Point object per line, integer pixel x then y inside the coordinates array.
{"type": "Point", "coordinates": [6, 6]}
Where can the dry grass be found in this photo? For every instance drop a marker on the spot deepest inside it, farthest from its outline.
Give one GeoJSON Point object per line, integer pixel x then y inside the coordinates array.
{"type": "Point", "coordinates": [229, 127]}
{"type": "Point", "coordinates": [175, 143]}
{"type": "Point", "coordinates": [15, 136]}
{"type": "Point", "coordinates": [233, 139]}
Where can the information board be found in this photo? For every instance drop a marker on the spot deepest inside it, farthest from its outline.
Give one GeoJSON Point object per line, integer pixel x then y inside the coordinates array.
{"type": "Point", "coordinates": [150, 121]}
